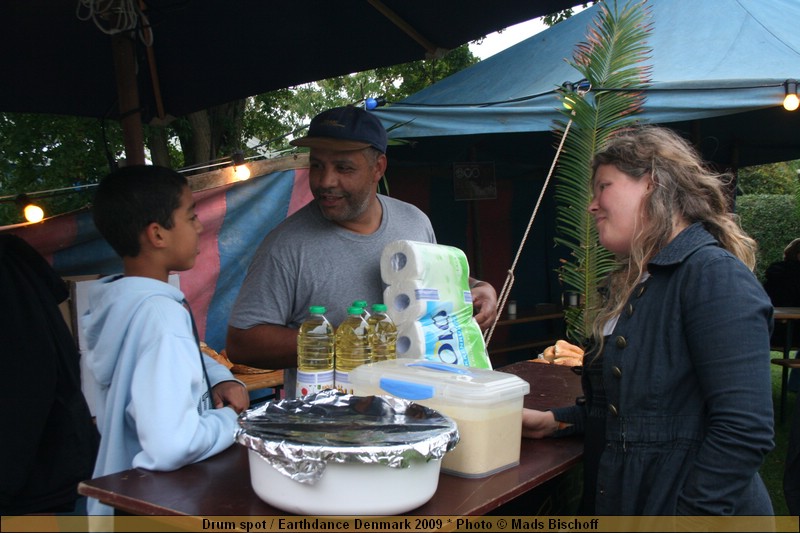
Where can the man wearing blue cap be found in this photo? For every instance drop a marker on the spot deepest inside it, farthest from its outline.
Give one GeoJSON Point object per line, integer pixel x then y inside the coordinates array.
{"type": "Point", "coordinates": [328, 253]}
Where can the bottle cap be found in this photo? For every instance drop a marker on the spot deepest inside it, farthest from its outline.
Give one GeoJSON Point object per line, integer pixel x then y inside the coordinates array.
{"type": "Point", "coordinates": [317, 310]}
{"type": "Point", "coordinates": [354, 310]}
{"type": "Point", "coordinates": [360, 303]}
{"type": "Point", "coordinates": [378, 308]}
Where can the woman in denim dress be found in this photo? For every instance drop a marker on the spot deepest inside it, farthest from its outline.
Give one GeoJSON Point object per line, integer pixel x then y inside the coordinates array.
{"type": "Point", "coordinates": [677, 407]}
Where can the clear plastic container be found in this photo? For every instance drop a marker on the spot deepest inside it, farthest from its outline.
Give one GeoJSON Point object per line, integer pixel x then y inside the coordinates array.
{"type": "Point", "coordinates": [486, 405]}
{"type": "Point", "coordinates": [315, 353]}
{"type": "Point", "coordinates": [352, 347]}
{"type": "Point", "coordinates": [382, 334]}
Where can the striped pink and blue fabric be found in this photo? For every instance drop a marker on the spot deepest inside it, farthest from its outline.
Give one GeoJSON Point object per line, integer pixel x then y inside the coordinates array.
{"type": "Point", "coordinates": [235, 217]}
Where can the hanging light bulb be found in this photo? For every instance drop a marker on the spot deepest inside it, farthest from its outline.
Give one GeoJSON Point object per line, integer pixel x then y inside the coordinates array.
{"type": "Point", "coordinates": [240, 170]}
{"type": "Point", "coordinates": [32, 212]}
{"type": "Point", "coordinates": [791, 102]}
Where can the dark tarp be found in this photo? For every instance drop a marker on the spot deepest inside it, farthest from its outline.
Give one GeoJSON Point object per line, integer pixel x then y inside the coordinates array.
{"type": "Point", "coordinates": [209, 52]}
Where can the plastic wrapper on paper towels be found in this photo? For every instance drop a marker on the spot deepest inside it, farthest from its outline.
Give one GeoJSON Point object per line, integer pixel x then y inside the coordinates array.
{"type": "Point", "coordinates": [411, 300]}
{"type": "Point", "coordinates": [444, 341]}
{"type": "Point", "coordinates": [436, 265]}
{"type": "Point", "coordinates": [429, 300]}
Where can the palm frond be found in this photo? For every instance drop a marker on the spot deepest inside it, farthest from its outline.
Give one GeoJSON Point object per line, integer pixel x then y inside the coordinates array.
{"type": "Point", "coordinates": [611, 62]}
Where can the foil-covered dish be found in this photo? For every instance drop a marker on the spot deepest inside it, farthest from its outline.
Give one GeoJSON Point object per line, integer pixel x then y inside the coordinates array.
{"type": "Point", "coordinates": [300, 437]}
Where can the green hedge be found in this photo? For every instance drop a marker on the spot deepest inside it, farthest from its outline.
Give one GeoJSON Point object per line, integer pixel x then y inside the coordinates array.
{"type": "Point", "coordinates": [773, 220]}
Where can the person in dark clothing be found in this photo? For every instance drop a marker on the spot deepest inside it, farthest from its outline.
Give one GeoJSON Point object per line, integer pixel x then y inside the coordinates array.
{"type": "Point", "coordinates": [49, 440]}
{"type": "Point", "coordinates": [791, 473]}
{"type": "Point", "coordinates": [782, 278]}
{"type": "Point", "coordinates": [782, 283]}
{"type": "Point", "coordinates": [677, 409]}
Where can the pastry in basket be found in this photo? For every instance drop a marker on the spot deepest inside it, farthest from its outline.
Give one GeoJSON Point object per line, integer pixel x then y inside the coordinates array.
{"type": "Point", "coordinates": [220, 358]}
{"type": "Point", "coordinates": [244, 369]}
{"type": "Point", "coordinates": [562, 353]}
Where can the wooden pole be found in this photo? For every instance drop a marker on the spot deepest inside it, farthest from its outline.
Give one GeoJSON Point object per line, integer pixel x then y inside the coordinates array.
{"type": "Point", "coordinates": [124, 50]}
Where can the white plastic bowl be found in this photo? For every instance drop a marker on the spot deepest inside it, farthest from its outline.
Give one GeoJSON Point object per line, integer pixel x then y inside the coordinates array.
{"type": "Point", "coordinates": [348, 489]}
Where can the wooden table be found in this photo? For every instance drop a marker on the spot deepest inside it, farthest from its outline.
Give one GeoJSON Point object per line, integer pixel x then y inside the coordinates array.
{"type": "Point", "coordinates": [788, 315]}
{"type": "Point", "coordinates": [221, 485]}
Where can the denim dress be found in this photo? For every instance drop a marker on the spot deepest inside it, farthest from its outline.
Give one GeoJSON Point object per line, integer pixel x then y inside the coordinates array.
{"type": "Point", "coordinates": [677, 411]}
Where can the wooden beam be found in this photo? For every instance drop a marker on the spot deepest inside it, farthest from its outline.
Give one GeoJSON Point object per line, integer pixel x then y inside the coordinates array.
{"type": "Point", "coordinates": [224, 176]}
{"type": "Point", "coordinates": [124, 51]}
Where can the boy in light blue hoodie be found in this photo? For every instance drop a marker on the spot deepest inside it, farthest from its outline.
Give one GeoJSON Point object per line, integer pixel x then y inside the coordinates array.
{"type": "Point", "coordinates": [162, 403]}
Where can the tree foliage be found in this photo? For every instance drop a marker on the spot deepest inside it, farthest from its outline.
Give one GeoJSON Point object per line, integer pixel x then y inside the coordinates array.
{"type": "Point", "coordinates": [554, 18]}
{"type": "Point", "coordinates": [772, 178]}
{"type": "Point", "coordinates": [46, 152]}
{"type": "Point", "coordinates": [773, 220]}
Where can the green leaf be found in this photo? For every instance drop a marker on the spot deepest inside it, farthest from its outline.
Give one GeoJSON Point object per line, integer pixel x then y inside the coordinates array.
{"type": "Point", "coordinates": [611, 61]}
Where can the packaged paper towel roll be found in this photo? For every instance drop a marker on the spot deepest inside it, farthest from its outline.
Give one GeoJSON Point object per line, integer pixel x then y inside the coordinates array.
{"type": "Point", "coordinates": [437, 265]}
{"type": "Point", "coordinates": [443, 339]}
{"type": "Point", "coordinates": [412, 300]}
{"type": "Point", "coordinates": [410, 340]}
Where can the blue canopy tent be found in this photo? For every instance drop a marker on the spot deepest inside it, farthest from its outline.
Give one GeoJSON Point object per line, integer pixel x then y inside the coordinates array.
{"type": "Point", "coordinates": [718, 74]}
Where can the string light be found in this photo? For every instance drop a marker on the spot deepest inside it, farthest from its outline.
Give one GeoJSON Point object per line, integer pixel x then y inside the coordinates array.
{"type": "Point", "coordinates": [33, 213]}
{"type": "Point", "coordinates": [240, 169]}
{"type": "Point", "coordinates": [573, 92]}
{"type": "Point", "coordinates": [791, 102]}
{"type": "Point", "coordinates": [29, 203]}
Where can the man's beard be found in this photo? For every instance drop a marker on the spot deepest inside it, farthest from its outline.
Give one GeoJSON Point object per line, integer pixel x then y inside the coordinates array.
{"type": "Point", "coordinates": [355, 206]}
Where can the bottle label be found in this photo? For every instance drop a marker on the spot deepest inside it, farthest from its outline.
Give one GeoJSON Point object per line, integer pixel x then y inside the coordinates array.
{"type": "Point", "coordinates": [313, 382]}
{"type": "Point", "coordinates": [343, 382]}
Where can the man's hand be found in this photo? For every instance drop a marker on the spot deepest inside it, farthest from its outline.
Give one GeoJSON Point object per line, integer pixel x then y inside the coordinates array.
{"type": "Point", "coordinates": [231, 393]}
{"type": "Point", "coordinates": [484, 302]}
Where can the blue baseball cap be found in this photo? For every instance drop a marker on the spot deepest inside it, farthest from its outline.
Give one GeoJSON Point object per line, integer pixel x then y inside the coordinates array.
{"type": "Point", "coordinates": [343, 129]}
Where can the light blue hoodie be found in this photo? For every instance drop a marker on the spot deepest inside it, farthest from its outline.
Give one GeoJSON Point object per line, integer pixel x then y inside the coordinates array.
{"type": "Point", "coordinates": [153, 409]}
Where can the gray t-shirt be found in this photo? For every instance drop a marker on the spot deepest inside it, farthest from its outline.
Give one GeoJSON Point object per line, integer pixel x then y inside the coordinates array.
{"type": "Point", "coordinates": [308, 260]}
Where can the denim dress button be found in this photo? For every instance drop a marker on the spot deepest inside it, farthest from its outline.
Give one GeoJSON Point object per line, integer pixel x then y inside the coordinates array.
{"type": "Point", "coordinates": [617, 371]}
{"type": "Point", "coordinates": [613, 409]}
{"type": "Point", "coordinates": [621, 342]}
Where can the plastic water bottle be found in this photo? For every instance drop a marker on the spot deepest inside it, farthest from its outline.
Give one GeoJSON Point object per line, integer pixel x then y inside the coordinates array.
{"type": "Point", "coordinates": [352, 347]}
{"type": "Point", "coordinates": [382, 334]}
{"type": "Point", "coordinates": [315, 353]}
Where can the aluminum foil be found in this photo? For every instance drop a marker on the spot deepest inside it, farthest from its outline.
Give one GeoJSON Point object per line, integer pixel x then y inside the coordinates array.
{"type": "Point", "coordinates": [300, 437]}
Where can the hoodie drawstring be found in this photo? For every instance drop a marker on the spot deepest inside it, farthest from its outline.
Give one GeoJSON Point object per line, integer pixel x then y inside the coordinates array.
{"type": "Point", "coordinates": [199, 351]}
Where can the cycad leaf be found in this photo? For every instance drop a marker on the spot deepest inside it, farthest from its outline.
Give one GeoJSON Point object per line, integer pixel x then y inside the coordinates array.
{"type": "Point", "coordinates": [611, 62]}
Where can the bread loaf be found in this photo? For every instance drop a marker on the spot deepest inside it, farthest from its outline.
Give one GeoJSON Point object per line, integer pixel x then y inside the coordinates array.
{"type": "Point", "coordinates": [561, 353]}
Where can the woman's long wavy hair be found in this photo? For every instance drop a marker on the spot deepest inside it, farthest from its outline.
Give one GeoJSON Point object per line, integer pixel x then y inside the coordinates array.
{"type": "Point", "coordinates": [684, 190]}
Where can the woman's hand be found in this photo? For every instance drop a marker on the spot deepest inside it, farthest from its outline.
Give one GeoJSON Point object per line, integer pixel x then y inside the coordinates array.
{"type": "Point", "coordinates": [538, 424]}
